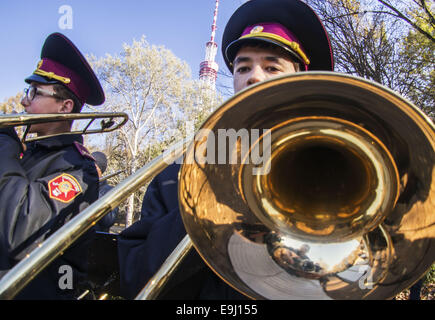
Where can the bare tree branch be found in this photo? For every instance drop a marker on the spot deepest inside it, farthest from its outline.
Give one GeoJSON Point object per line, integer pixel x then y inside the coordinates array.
{"type": "Point", "coordinates": [400, 15]}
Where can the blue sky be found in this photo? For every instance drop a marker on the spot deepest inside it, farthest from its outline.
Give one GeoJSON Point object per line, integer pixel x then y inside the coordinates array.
{"type": "Point", "coordinates": [101, 27]}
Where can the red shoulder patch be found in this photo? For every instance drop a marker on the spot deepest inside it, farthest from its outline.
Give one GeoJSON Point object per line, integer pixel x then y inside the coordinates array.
{"type": "Point", "coordinates": [64, 188]}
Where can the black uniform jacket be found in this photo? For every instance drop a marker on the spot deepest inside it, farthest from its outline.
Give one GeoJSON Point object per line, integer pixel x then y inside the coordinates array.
{"type": "Point", "coordinates": [104, 224]}
{"type": "Point", "coordinates": [145, 245]}
{"type": "Point", "coordinates": [55, 180]}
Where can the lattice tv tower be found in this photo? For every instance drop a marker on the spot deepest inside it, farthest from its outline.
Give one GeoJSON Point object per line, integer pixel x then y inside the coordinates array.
{"type": "Point", "coordinates": [209, 68]}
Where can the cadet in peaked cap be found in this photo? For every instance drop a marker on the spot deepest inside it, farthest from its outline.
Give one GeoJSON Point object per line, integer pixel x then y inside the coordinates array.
{"type": "Point", "coordinates": [64, 74]}
{"type": "Point", "coordinates": [289, 24]}
{"type": "Point", "coordinates": [263, 39]}
{"type": "Point", "coordinates": [62, 63]}
{"type": "Point", "coordinates": [54, 178]}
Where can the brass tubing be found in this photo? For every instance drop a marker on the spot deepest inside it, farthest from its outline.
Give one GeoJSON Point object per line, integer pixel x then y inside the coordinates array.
{"type": "Point", "coordinates": [25, 119]}
{"type": "Point", "coordinates": [12, 120]}
{"type": "Point", "coordinates": [156, 284]}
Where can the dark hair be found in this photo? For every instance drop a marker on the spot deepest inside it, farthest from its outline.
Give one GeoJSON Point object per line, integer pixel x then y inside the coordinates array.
{"type": "Point", "coordinates": [299, 66]}
{"type": "Point", "coordinates": [64, 92]}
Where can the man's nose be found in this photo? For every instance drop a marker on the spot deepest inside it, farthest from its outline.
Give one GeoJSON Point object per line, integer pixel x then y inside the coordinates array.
{"type": "Point", "coordinates": [256, 75]}
{"type": "Point", "coordinates": [24, 101]}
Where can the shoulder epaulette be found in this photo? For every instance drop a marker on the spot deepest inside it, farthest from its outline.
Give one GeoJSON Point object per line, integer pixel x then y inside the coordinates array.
{"type": "Point", "coordinates": [83, 151]}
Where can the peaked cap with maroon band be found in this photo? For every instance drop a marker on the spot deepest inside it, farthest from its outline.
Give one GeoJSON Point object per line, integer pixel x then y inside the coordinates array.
{"type": "Point", "coordinates": [61, 62]}
{"type": "Point", "coordinates": [290, 24]}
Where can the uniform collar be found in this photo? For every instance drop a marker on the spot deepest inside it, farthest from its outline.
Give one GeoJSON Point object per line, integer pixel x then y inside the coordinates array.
{"type": "Point", "coordinates": [58, 141]}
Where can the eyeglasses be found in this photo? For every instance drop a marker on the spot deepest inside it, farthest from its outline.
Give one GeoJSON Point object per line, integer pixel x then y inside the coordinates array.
{"type": "Point", "coordinates": [32, 91]}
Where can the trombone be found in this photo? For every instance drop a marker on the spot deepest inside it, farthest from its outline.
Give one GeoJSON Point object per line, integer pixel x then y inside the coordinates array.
{"type": "Point", "coordinates": [109, 122]}
{"type": "Point", "coordinates": [351, 181]}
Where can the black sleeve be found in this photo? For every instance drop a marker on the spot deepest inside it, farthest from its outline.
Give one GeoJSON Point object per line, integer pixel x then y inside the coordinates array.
{"type": "Point", "coordinates": [145, 245]}
{"type": "Point", "coordinates": [110, 218]}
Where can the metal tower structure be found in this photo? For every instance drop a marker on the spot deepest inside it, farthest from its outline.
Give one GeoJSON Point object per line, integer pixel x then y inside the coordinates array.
{"type": "Point", "coordinates": [209, 68]}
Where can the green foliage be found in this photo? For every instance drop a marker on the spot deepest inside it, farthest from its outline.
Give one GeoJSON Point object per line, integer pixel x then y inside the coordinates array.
{"type": "Point", "coordinates": [419, 52]}
{"type": "Point", "coordinates": [390, 42]}
{"type": "Point", "coordinates": [430, 276]}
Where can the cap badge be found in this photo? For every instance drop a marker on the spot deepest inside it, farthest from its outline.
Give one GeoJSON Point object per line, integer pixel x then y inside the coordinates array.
{"type": "Point", "coordinates": [257, 29]}
{"type": "Point", "coordinates": [50, 75]}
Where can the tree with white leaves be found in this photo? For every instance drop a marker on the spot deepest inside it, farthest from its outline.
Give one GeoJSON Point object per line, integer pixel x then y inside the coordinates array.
{"type": "Point", "coordinates": [12, 104]}
{"type": "Point", "coordinates": [155, 89]}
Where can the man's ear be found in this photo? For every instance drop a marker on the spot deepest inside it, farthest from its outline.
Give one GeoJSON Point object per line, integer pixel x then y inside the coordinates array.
{"type": "Point", "coordinates": [67, 106]}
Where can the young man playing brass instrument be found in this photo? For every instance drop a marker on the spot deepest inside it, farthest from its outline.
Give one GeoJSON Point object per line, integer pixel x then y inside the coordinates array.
{"type": "Point", "coordinates": [53, 179]}
{"type": "Point", "coordinates": [263, 39]}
